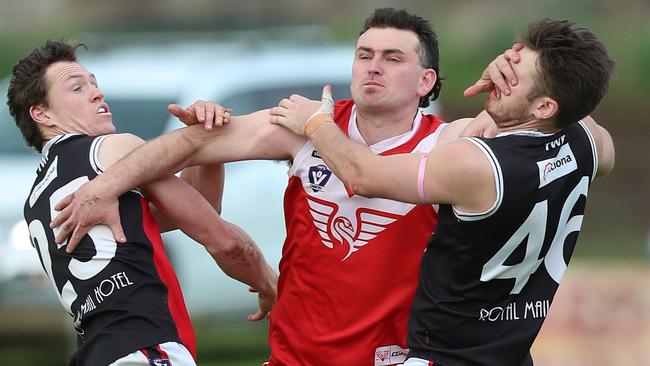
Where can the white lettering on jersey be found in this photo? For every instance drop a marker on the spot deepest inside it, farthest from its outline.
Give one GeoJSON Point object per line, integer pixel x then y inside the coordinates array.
{"type": "Point", "coordinates": [555, 143]}
{"type": "Point", "coordinates": [49, 176]}
{"type": "Point", "coordinates": [354, 227]}
{"type": "Point", "coordinates": [557, 167]}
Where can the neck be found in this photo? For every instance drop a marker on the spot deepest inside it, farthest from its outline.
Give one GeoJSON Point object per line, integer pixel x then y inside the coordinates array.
{"type": "Point", "coordinates": [50, 133]}
{"type": "Point", "coordinates": [542, 125]}
{"type": "Point", "coordinates": [379, 126]}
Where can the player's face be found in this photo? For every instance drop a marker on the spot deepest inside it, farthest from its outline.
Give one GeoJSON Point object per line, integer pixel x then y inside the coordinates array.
{"type": "Point", "coordinates": [75, 102]}
{"type": "Point", "coordinates": [386, 72]}
{"type": "Point", "coordinates": [518, 106]}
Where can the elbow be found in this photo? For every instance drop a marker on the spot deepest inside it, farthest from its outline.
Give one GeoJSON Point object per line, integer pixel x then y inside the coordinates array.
{"type": "Point", "coordinates": [357, 181]}
{"type": "Point", "coordinates": [358, 186]}
{"type": "Point", "coordinates": [230, 245]}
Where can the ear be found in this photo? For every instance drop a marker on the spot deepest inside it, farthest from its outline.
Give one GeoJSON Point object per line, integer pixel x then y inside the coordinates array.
{"type": "Point", "coordinates": [39, 115]}
{"type": "Point", "coordinates": [545, 108]}
{"type": "Point", "coordinates": [427, 81]}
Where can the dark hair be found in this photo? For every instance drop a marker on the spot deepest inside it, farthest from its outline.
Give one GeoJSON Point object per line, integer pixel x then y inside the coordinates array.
{"type": "Point", "coordinates": [573, 66]}
{"type": "Point", "coordinates": [28, 87]}
{"type": "Point", "coordinates": [429, 55]}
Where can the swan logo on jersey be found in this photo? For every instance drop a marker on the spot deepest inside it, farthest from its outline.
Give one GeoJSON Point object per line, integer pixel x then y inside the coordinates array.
{"type": "Point", "coordinates": [318, 177]}
{"type": "Point", "coordinates": [355, 232]}
{"type": "Point", "coordinates": [557, 167]}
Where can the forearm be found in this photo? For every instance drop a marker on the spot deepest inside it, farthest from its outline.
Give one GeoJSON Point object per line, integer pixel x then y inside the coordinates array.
{"type": "Point", "coordinates": [233, 250]}
{"type": "Point", "coordinates": [365, 173]}
{"type": "Point", "coordinates": [242, 259]}
{"type": "Point", "coordinates": [348, 160]}
{"type": "Point", "coordinates": [207, 180]}
{"type": "Point", "coordinates": [161, 157]}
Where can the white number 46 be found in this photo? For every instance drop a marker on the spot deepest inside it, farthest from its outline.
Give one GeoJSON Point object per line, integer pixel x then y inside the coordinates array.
{"type": "Point", "coordinates": [535, 228]}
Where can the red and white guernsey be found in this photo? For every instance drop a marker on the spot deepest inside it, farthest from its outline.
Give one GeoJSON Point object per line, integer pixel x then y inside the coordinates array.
{"type": "Point", "coordinates": [349, 265]}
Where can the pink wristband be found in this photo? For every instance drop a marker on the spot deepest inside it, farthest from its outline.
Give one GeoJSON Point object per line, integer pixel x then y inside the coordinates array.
{"type": "Point", "coordinates": [421, 168]}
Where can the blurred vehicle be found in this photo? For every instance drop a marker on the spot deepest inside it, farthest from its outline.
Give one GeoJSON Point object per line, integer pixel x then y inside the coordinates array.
{"type": "Point", "coordinates": [139, 83]}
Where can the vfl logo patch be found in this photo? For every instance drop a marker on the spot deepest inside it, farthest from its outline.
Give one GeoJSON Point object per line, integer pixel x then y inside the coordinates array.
{"type": "Point", "coordinates": [390, 355]}
{"type": "Point", "coordinates": [368, 223]}
{"type": "Point", "coordinates": [318, 177]}
{"type": "Point", "coordinates": [557, 167]}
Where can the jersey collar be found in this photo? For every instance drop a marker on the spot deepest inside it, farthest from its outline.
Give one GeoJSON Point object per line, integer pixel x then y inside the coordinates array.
{"type": "Point", "coordinates": [387, 144]}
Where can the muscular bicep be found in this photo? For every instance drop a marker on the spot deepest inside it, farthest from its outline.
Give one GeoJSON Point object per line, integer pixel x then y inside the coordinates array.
{"type": "Point", "coordinates": [249, 137]}
{"type": "Point", "coordinates": [455, 173]}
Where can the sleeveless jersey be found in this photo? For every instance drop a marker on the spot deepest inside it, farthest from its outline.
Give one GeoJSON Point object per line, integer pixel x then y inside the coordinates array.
{"type": "Point", "coordinates": [122, 297]}
{"type": "Point", "coordinates": [349, 264]}
{"type": "Point", "coordinates": [487, 280]}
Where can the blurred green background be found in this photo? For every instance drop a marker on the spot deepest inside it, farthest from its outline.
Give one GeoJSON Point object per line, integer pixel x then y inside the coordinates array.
{"type": "Point", "coordinates": [471, 33]}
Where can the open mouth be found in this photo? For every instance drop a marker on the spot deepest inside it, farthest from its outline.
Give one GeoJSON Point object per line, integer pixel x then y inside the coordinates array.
{"type": "Point", "coordinates": [103, 109]}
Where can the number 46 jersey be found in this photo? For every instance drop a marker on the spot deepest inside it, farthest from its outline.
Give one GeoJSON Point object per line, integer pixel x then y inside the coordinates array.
{"type": "Point", "coordinates": [122, 297]}
{"type": "Point", "coordinates": [487, 280]}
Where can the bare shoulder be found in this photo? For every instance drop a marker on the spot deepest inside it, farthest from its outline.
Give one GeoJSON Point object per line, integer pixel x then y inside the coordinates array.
{"type": "Point", "coordinates": [465, 157]}
{"type": "Point", "coordinates": [464, 176]}
{"type": "Point", "coordinates": [452, 130]}
{"type": "Point", "coordinates": [116, 146]}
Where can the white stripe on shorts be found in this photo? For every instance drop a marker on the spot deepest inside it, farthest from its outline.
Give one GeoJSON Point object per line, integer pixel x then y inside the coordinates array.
{"type": "Point", "coordinates": [177, 353]}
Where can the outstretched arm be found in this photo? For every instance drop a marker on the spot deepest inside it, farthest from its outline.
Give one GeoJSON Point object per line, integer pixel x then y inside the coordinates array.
{"type": "Point", "coordinates": [245, 137]}
{"type": "Point", "coordinates": [448, 174]}
{"type": "Point", "coordinates": [233, 250]}
{"type": "Point", "coordinates": [231, 247]}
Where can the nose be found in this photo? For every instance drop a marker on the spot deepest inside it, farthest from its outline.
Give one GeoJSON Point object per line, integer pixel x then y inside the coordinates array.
{"type": "Point", "coordinates": [374, 66]}
{"type": "Point", "coordinates": [97, 94]}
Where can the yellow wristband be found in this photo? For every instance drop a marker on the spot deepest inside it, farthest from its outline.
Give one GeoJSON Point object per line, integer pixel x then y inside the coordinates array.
{"type": "Point", "coordinates": [315, 122]}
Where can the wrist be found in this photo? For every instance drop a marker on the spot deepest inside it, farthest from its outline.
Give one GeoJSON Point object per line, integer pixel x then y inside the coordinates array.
{"type": "Point", "coordinates": [315, 122]}
{"type": "Point", "coordinates": [103, 186]}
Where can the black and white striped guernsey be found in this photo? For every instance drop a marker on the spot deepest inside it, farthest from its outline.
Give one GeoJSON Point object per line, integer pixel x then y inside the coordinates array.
{"type": "Point", "coordinates": [487, 279]}
{"type": "Point", "coordinates": [121, 297]}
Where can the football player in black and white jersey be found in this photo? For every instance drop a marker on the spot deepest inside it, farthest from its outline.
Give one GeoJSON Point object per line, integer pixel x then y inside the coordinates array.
{"type": "Point", "coordinates": [124, 299]}
{"type": "Point", "coordinates": [511, 207]}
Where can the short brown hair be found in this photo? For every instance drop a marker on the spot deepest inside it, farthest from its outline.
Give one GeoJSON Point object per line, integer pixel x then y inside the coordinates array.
{"type": "Point", "coordinates": [574, 67]}
{"type": "Point", "coordinates": [28, 88]}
